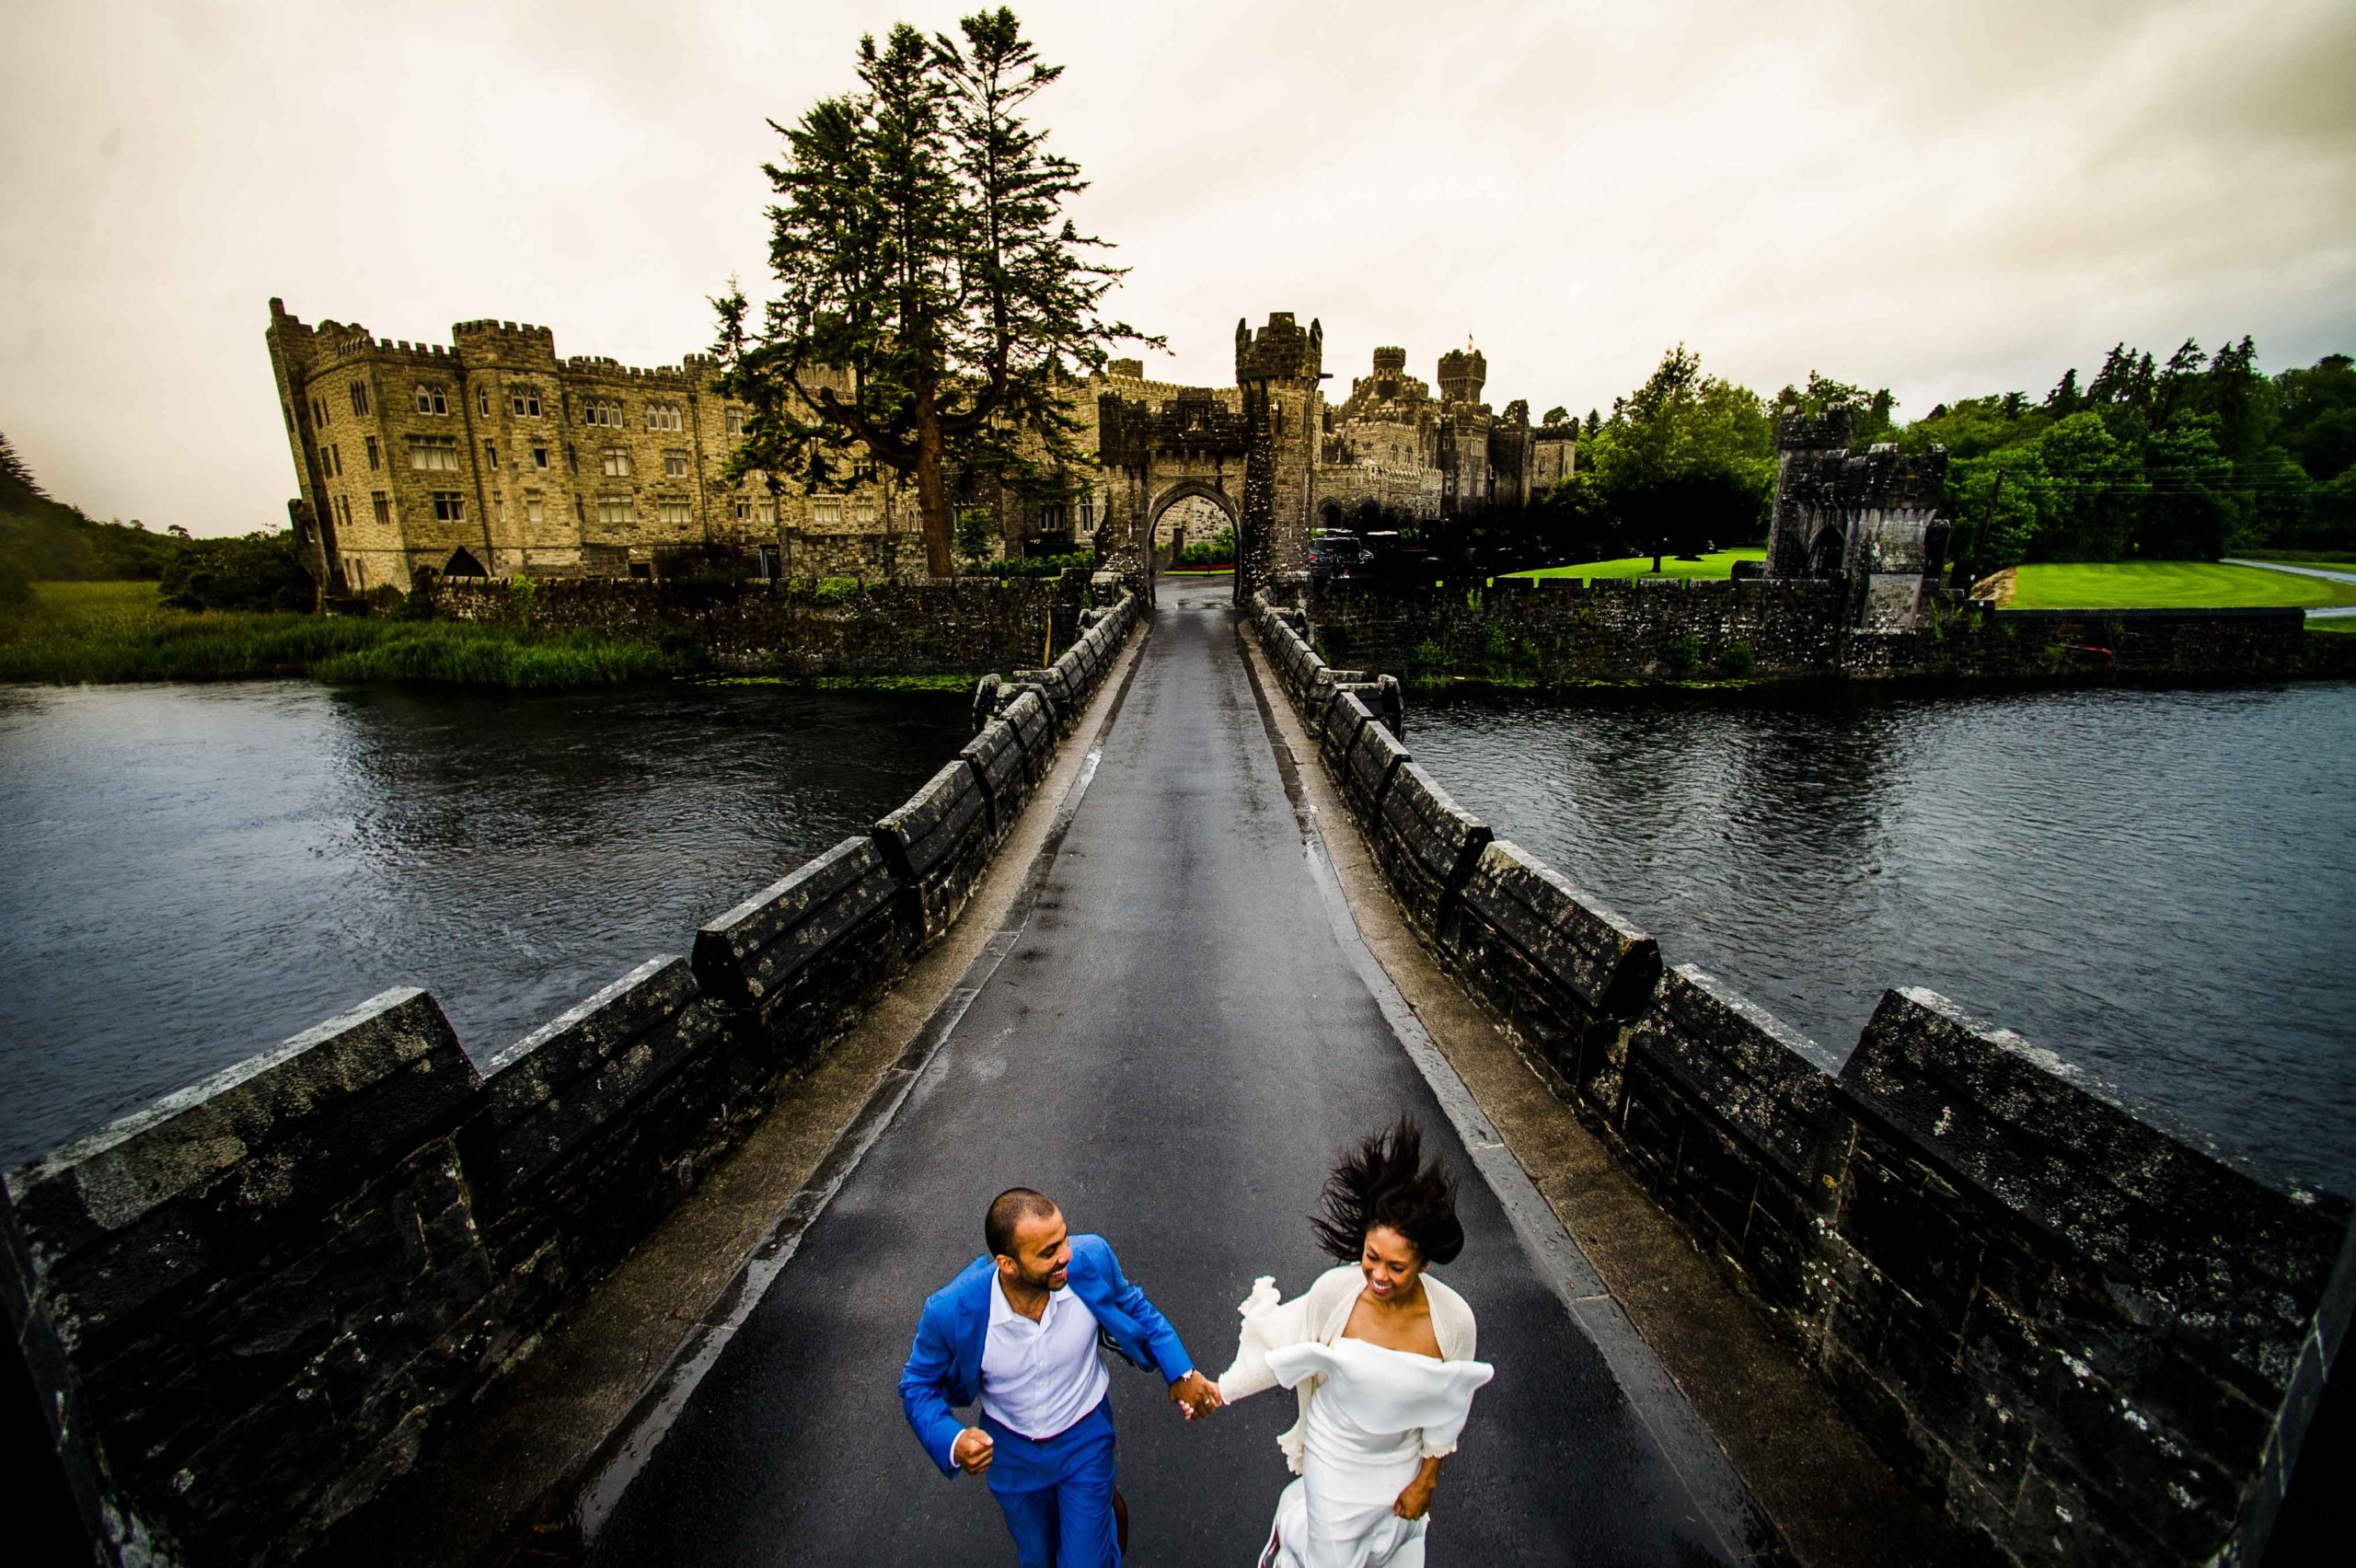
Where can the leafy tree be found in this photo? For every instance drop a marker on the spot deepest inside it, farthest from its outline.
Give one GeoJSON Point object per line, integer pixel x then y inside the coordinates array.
{"type": "Point", "coordinates": [1687, 460]}
{"type": "Point", "coordinates": [2318, 424]}
{"type": "Point", "coordinates": [1557, 415]}
{"type": "Point", "coordinates": [934, 304]}
{"type": "Point", "coordinates": [257, 572]}
{"type": "Point", "coordinates": [974, 532]}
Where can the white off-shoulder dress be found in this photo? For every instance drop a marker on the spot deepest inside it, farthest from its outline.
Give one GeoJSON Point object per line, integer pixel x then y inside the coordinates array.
{"type": "Point", "coordinates": [1370, 1417]}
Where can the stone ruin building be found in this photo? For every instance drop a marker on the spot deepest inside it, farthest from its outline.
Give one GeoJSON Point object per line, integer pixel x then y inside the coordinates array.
{"type": "Point", "coordinates": [1870, 519]}
{"type": "Point", "coordinates": [493, 457]}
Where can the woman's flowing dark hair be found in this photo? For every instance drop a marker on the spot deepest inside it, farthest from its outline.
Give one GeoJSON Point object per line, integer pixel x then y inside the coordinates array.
{"type": "Point", "coordinates": [1386, 1181]}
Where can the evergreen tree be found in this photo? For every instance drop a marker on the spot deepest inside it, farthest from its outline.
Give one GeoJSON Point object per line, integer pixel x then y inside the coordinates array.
{"type": "Point", "coordinates": [934, 304]}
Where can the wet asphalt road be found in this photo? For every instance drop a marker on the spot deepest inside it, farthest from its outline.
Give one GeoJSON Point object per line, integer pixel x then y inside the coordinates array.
{"type": "Point", "coordinates": [1173, 1049]}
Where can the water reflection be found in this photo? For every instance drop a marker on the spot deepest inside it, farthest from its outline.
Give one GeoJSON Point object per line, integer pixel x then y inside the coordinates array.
{"type": "Point", "coordinates": [2161, 886]}
{"type": "Point", "coordinates": [195, 872]}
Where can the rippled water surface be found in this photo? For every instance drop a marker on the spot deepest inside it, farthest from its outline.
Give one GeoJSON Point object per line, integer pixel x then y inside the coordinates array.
{"type": "Point", "coordinates": [2161, 886]}
{"type": "Point", "coordinates": [194, 873]}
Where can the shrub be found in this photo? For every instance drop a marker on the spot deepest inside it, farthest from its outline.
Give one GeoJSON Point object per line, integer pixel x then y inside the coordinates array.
{"type": "Point", "coordinates": [1216, 550]}
{"type": "Point", "coordinates": [1681, 655]}
{"type": "Point", "coordinates": [1040, 566]}
{"type": "Point", "coordinates": [15, 583]}
{"type": "Point", "coordinates": [837, 591]}
{"type": "Point", "coordinates": [1736, 659]}
{"type": "Point", "coordinates": [257, 571]}
{"type": "Point", "coordinates": [1428, 655]}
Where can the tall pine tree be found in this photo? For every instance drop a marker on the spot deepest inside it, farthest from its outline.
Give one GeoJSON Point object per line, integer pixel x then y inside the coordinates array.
{"type": "Point", "coordinates": [934, 304]}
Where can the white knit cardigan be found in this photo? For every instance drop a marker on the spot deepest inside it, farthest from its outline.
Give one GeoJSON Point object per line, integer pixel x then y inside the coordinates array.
{"type": "Point", "coordinates": [1321, 1314]}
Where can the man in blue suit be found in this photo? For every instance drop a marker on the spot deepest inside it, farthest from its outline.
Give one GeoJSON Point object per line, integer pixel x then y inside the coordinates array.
{"type": "Point", "coordinates": [1019, 1329]}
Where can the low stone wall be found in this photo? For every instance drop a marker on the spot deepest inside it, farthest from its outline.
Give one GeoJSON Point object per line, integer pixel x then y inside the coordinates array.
{"type": "Point", "coordinates": [1563, 631]}
{"type": "Point", "coordinates": [249, 1307]}
{"type": "Point", "coordinates": [2093, 1340]}
{"type": "Point", "coordinates": [959, 626]}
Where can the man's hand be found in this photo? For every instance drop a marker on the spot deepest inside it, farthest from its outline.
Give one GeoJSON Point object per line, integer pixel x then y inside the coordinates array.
{"type": "Point", "coordinates": [1195, 1395]}
{"type": "Point", "coordinates": [973, 1451]}
{"type": "Point", "coordinates": [1416, 1500]}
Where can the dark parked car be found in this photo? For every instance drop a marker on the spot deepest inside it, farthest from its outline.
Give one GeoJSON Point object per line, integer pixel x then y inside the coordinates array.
{"type": "Point", "coordinates": [1332, 555]}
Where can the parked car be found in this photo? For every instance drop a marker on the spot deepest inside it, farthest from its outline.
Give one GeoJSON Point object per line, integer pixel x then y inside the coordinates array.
{"type": "Point", "coordinates": [1336, 555]}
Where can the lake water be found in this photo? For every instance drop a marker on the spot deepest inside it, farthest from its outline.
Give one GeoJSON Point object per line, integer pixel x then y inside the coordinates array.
{"type": "Point", "coordinates": [196, 872]}
{"type": "Point", "coordinates": [2160, 887]}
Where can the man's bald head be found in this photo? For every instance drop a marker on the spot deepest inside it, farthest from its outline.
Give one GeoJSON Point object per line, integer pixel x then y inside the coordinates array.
{"type": "Point", "coordinates": [1008, 1210]}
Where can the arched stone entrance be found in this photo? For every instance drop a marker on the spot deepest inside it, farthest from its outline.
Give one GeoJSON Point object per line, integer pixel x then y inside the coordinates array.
{"type": "Point", "coordinates": [1189, 511]}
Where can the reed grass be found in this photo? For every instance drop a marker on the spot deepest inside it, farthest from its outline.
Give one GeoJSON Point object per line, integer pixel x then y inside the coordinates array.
{"type": "Point", "coordinates": [75, 633]}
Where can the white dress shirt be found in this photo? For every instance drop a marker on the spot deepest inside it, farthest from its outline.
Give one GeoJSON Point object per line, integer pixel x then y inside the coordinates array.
{"type": "Point", "coordinates": [1040, 1378]}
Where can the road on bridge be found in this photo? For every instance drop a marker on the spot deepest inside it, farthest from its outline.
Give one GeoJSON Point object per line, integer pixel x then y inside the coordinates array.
{"type": "Point", "coordinates": [1174, 1048]}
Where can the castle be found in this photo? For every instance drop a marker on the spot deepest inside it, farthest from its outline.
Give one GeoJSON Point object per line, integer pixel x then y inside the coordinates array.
{"type": "Point", "coordinates": [493, 457]}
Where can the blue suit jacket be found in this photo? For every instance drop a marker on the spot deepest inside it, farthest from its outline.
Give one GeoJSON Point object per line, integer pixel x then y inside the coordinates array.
{"type": "Point", "coordinates": [945, 1364]}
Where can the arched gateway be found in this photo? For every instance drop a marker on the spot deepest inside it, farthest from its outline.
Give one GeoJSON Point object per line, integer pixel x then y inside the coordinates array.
{"type": "Point", "coordinates": [1251, 451]}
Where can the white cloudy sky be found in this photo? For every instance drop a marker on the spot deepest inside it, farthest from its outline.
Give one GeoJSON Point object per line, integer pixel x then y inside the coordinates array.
{"type": "Point", "coordinates": [1944, 198]}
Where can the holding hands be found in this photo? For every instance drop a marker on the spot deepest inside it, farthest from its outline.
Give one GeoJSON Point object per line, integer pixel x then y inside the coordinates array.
{"type": "Point", "coordinates": [1195, 1395]}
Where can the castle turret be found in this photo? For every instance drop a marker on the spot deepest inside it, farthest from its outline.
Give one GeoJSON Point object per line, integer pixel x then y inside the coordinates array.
{"type": "Point", "coordinates": [1389, 360]}
{"type": "Point", "coordinates": [1463, 373]}
{"type": "Point", "coordinates": [1280, 352]}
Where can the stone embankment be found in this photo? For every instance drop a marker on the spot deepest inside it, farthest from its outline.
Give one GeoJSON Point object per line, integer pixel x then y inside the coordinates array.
{"type": "Point", "coordinates": [2091, 1340]}
{"type": "Point", "coordinates": [801, 628]}
{"type": "Point", "coordinates": [249, 1307]}
{"type": "Point", "coordinates": [1562, 631]}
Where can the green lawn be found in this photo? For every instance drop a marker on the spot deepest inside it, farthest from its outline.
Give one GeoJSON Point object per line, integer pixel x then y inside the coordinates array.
{"type": "Point", "coordinates": [2168, 584]}
{"type": "Point", "coordinates": [2322, 561]}
{"type": "Point", "coordinates": [2331, 623]}
{"type": "Point", "coordinates": [1720, 564]}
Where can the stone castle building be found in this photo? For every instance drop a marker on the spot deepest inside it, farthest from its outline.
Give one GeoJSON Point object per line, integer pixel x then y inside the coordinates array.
{"type": "Point", "coordinates": [491, 456]}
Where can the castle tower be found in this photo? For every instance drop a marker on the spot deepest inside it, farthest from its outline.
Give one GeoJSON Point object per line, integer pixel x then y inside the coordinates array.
{"type": "Point", "coordinates": [1277, 369]}
{"type": "Point", "coordinates": [1463, 373]}
{"type": "Point", "coordinates": [1390, 361]}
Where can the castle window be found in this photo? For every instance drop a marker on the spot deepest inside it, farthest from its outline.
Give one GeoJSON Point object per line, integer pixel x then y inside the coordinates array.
{"type": "Point", "coordinates": [431, 400]}
{"type": "Point", "coordinates": [482, 401]}
{"type": "Point", "coordinates": [602, 411]}
{"type": "Point", "coordinates": [343, 512]}
{"type": "Point", "coordinates": [663, 416]}
{"type": "Point", "coordinates": [766, 510]}
{"type": "Point", "coordinates": [359, 396]}
{"type": "Point", "coordinates": [863, 511]}
{"type": "Point", "coordinates": [540, 456]}
{"type": "Point", "coordinates": [735, 421]}
{"type": "Point", "coordinates": [433, 454]}
{"type": "Point", "coordinates": [616, 462]}
{"type": "Point", "coordinates": [743, 509]}
{"type": "Point", "coordinates": [674, 465]}
{"type": "Point", "coordinates": [535, 510]}
{"type": "Point", "coordinates": [615, 510]}
{"type": "Point", "coordinates": [1051, 517]}
{"type": "Point", "coordinates": [375, 454]}
{"type": "Point", "coordinates": [524, 397]}
{"type": "Point", "coordinates": [384, 505]}
{"type": "Point", "coordinates": [335, 461]}
{"type": "Point", "coordinates": [490, 455]}
{"type": "Point", "coordinates": [319, 413]}
{"type": "Point", "coordinates": [675, 513]}
{"type": "Point", "coordinates": [825, 510]}
{"type": "Point", "coordinates": [450, 506]}
{"type": "Point", "coordinates": [1087, 513]}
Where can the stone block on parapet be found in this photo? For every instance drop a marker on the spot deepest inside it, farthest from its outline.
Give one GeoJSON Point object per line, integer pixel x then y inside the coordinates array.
{"type": "Point", "coordinates": [2238, 1265]}
{"type": "Point", "coordinates": [996, 757]}
{"type": "Point", "coordinates": [1427, 846]}
{"type": "Point", "coordinates": [1375, 757]}
{"type": "Point", "coordinates": [1034, 724]}
{"type": "Point", "coordinates": [937, 846]}
{"type": "Point", "coordinates": [203, 1290]}
{"type": "Point", "coordinates": [1726, 1120]}
{"type": "Point", "coordinates": [205, 1180]}
{"type": "Point", "coordinates": [2137, 1330]}
{"type": "Point", "coordinates": [1344, 719]}
{"type": "Point", "coordinates": [798, 958]}
{"type": "Point", "coordinates": [1079, 672]}
{"type": "Point", "coordinates": [595, 1124]}
{"type": "Point", "coordinates": [1566, 972]}
{"type": "Point", "coordinates": [1053, 690]}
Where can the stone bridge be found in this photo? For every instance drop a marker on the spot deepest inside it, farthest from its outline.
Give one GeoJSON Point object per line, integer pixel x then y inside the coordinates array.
{"type": "Point", "coordinates": [1183, 918]}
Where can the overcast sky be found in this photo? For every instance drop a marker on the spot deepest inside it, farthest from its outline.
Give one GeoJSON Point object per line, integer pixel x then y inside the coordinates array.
{"type": "Point", "coordinates": [1945, 199]}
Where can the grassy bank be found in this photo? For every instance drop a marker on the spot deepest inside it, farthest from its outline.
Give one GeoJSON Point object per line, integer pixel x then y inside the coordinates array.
{"type": "Point", "coordinates": [2170, 584]}
{"type": "Point", "coordinates": [1719, 563]}
{"type": "Point", "coordinates": [106, 633]}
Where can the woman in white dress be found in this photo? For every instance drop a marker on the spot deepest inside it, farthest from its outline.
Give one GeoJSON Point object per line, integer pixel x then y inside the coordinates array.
{"type": "Point", "coordinates": [1380, 1354]}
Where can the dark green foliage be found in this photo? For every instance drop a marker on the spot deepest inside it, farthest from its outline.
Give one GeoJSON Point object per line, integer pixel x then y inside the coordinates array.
{"type": "Point", "coordinates": [975, 529]}
{"type": "Point", "coordinates": [257, 571]}
{"type": "Point", "coordinates": [1736, 659]}
{"type": "Point", "coordinates": [15, 583]}
{"type": "Point", "coordinates": [1216, 550]}
{"type": "Point", "coordinates": [47, 541]}
{"type": "Point", "coordinates": [1686, 463]}
{"type": "Point", "coordinates": [2181, 460]}
{"type": "Point", "coordinates": [1683, 654]}
{"type": "Point", "coordinates": [1040, 566]}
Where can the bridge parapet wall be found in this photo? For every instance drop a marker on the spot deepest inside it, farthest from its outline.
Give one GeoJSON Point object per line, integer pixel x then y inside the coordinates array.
{"type": "Point", "coordinates": [249, 1308]}
{"type": "Point", "coordinates": [2091, 1338]}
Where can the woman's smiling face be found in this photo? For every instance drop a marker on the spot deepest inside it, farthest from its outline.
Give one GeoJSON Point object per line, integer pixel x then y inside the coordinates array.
{"type": "Point", "coordinates": [1390, 1263]}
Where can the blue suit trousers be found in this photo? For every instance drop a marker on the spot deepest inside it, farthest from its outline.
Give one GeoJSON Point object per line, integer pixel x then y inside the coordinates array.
{"type": "Point", "coordinates": [1057, 1493]}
